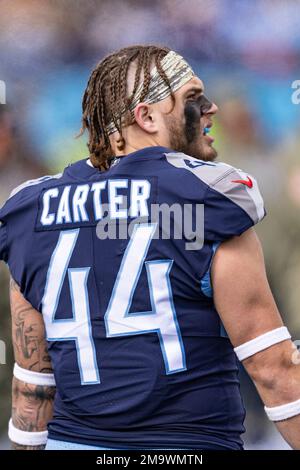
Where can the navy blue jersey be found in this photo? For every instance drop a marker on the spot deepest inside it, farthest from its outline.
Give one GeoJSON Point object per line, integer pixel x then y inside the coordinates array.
{"type": "Point", "coordinates": [118, 263]}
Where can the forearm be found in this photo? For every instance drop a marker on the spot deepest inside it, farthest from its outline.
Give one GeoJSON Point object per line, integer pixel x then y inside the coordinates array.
{"type": "Point", "coordinates": [33, 387]}
{"type": "Point", "coordinates": [32, 409]}
{"type": "Point", "coordinates": [290, 430]}
{"type": "Point", "coordinates": [276, 374]}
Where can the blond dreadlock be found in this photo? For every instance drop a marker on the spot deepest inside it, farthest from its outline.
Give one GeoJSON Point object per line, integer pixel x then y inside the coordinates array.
{"type": "Point", "coordinates": [105, 98]}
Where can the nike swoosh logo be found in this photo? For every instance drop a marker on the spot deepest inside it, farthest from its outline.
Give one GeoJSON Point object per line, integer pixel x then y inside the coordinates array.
{"type": "Point", "coordinates": [248, 182]}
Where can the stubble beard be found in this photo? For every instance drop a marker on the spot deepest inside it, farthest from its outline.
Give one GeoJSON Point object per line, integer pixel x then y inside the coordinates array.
{"type": "Point", "coordinates": [189, 142]}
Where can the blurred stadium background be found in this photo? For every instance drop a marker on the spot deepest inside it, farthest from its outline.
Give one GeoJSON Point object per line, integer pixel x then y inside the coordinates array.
{"type": "Point", "coordinates": [247, 52]}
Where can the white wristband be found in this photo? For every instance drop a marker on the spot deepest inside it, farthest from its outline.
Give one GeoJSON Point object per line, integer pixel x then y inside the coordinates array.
{"type": "Point", "coordinates": [34, 378]}
{"type": "Point", "coordinates": [279, 413]}
{"type": "Point", "coordinates": [262, 342]}
{"type": "Point", "coordinates": [26, 438]}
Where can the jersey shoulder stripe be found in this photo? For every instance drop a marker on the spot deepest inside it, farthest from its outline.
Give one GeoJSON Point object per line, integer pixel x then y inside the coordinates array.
{"type": "Point", "coordinates": [33, 182]}
{"type": "Point", "coordinates": [221, 177]}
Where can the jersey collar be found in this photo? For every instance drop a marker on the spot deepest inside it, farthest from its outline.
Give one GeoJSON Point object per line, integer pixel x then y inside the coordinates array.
{"type": "Point", "coordinates": [84, 169]}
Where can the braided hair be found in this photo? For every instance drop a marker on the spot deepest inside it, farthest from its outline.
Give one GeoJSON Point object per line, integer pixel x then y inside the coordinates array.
{"type": "Point", "coordinates": [106, 96]}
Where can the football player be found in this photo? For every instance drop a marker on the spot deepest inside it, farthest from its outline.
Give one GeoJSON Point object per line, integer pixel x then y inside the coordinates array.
{"type": "Point", "coordinates": [141, 325]}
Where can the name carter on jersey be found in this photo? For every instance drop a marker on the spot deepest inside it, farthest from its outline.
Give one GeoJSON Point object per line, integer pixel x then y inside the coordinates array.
{"type": "Point", "coordinates": [69, 204]}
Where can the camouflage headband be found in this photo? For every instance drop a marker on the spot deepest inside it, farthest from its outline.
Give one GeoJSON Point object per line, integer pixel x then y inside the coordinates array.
{"type": "Point", "coordinates": [178, 72]}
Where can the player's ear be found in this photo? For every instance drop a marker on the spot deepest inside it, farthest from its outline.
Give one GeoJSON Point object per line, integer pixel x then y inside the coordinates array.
{"type": "Point", "coordinates": [145, 118]}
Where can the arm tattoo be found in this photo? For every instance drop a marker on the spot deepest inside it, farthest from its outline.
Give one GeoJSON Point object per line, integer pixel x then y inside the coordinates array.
{"type": "Point", "coordinates": [28, 331]}
{"type": "Point", "coordinates": [32, 405]}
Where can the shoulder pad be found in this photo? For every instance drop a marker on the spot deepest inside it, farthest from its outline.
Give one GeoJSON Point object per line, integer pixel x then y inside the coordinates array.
{"type": "Point", "coordinates": [229, 182]}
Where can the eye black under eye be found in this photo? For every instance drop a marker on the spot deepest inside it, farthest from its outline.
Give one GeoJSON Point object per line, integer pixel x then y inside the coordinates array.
{"type": "Point", "coordinates": [199, 103]}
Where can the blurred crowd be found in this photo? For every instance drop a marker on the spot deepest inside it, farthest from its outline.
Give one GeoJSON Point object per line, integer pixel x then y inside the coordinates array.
{"type": "Point", "coordinates": [246, 52]}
